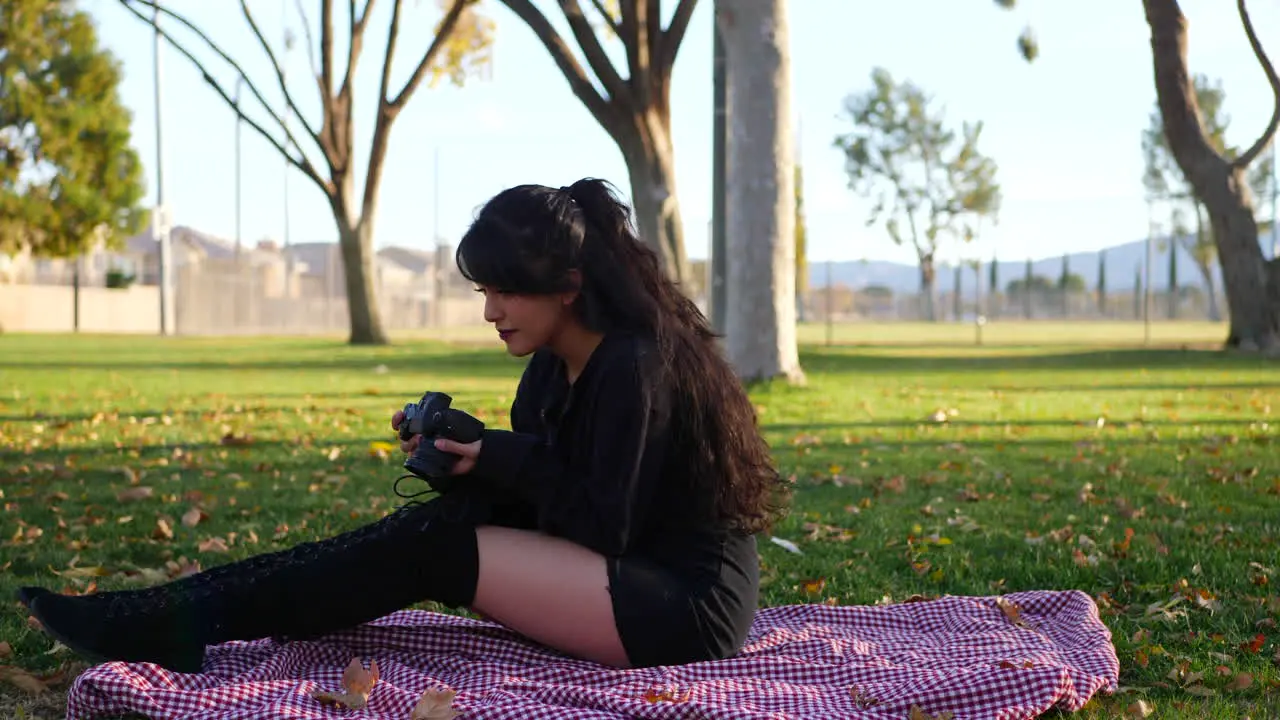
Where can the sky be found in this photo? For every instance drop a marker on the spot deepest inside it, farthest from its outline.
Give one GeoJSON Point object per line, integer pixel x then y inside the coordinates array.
{"type": "Point", "coordinates": [1065, 130]}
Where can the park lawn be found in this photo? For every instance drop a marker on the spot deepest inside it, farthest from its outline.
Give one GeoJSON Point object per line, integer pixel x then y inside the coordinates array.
{"type": "Point", "coordinates": [918, 470]}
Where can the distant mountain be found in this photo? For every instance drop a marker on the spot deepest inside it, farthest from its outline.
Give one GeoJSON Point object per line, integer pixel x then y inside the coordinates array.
{"type": "Point", "coordinates": [1122, 262]}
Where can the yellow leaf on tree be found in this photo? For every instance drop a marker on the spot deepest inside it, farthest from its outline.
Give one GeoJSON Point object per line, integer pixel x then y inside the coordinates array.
{"type": "Point", "coordinates": [467, 50]}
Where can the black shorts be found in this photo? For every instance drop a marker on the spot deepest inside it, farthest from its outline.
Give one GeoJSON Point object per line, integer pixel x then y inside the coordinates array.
{"type": "Point", "coordinates": [665, 620]}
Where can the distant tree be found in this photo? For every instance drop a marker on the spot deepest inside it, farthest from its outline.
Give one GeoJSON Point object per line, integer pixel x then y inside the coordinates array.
{"type": "Point", "coordinates": [1073, 283]}
{"type": "Point", "coordinates": [928, 183]}
{"type": "Point", "coordinates": [993, 286]}
{"type": "Point", "coordinates": [1036, 284]}
{"type": "Point", "coordinates": [957, 304]}
{"type": "Point", "coordinates": [1064, 292]}
{"type": "Point", "coordinates": [458, 48]}
{"type": "Point", "coordinates": [1138, 295]}
{"type": "Point", "coordinates": [69, 178]}
{"type": "Point", "coordinates": [1102, 282]}
{"type": "Point", "coordinates": [1027, 281]}
{"type": "Point", "coordinates": [635, 110]}
{"type": "Point", "coordinates": [1223, 182]}
{"type": "Point", "coordinates": [1173, 282]}
{"type": "Point", "coordinates": [1219, 179]}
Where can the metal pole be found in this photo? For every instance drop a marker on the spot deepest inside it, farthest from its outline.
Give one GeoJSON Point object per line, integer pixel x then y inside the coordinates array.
{"type": "Point", "coordinates": [288, 252]}
{"type": "Point", "coordinates": [1146, 280]}
{"type": "Point", "coordinates": [437, 261]}
{"type": "Point", "coordinates": [830, 309]}
{"type": "Point", "coordinates": [719, 291]}
{"type": "Point", "coordinates": [239, 307]}
{"type": "Point", "coordinates": [159, 221]}
{"type": "Point", "coordinates": [239, 126]}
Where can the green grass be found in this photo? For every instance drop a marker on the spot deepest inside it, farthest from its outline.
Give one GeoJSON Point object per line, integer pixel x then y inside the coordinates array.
{"type": "Point", "coordinates": [1057, 443]}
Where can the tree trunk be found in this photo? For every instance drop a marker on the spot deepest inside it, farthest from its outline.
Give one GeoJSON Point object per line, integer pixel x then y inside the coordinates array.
{"type": "Point", "coordinates": [761, 319]}
{"type": "Point", "coordinates": [355, 238]}
{"type": "Point", "coordinates": [928, 273]}
{"type": "Point", "coordinates": [650, 158]}
{"type": "Point", "coordinates": [1253, 300]}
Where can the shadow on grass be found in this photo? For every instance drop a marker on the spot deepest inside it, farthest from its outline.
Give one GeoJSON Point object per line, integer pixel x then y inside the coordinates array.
{"type": "Point", "coordinates": [846, 360]}
{"type": "Point", "coordinates": [278, 453]}
{"type": "Point", "coordinates": [472, 363]}
{"type": "Point", "coordinates": [1012, 423]}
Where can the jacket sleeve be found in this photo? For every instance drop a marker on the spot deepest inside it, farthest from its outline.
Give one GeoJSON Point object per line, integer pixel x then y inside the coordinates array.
{"type": "Point", "coordinates": [601, 500]}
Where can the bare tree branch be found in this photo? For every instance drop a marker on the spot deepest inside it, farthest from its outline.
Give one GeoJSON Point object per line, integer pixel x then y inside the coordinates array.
{"type": "Point", "coordinates": [275, 65]}
{"type": "Point", "coordinates": [636, 41]}
{"type": "Point", "coordinates": [311, 49]}
{"type": "Point", "coordinates": [326, 49]}
{"type": "Point", "coordinates": [604, 12]}
{"type": "Point", "coordinates": [594, 52]}
{"type": "Point", "coordinates": [358, 23]}
{"type": "Point", "coordinates": [447, 25]}
{"type": "Point", "coordinates": [1269, 134]}
{"type": "Point", "coordinates": [302, 163]}
{"type": "Point", "coordinates": [305, 164]}
{"type": "Point", "coordinates": [600, 108]}
{"type": "Point", "coordinates": [674, 36]}
{"type": "Point", "coordinates": [386, 115]}
{"type": "Point", "coordinates": [393, 34]}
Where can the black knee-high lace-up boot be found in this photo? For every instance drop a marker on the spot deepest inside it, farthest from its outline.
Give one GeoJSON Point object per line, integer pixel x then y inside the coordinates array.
{"type": "Point", "coordinates": [421, 552]}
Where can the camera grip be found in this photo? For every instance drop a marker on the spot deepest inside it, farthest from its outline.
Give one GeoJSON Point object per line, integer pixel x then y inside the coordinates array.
{"type": "Point", "coordinates": [464, 428]}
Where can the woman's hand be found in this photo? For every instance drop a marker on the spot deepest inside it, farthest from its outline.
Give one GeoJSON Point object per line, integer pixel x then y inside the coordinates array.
{"type": "Point", "coordinates": [468, 453]}
{"type": "Point", "coordinates": [408, 446]}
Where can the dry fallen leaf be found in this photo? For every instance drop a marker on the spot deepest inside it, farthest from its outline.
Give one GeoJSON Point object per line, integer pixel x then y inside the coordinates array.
{"type": "Point", "coordinates": [814, 586]}
{"type": "Point", "coordinates": [862, 698]}
{"type": "Point", "coordinates": [668, 695]}
{"type": "Point", "coordinates": [192, 517]}
{"type": "Point", "coordinates": [22, 679]}
{"type": "Point", "coordinates": [917, 713]}
{"type": "Point", "coordinates": [138, 492]}
{"type": "Point", "coordinates": [232, 440]}
{"type": "Point", "coordinates": [1138, 710]}
{"type": "Point", "coordinates": [357, 683]}
{"type": "Point", "coordinates": [1240, 682]}
{"type": "Point", "coordinates": [164, 529]}
{"type": "Point", "coordinates": [1011, 611]}
{"type": "Point", "coordinates": [5, 649]}
{"type": "Point", "coordinates": [213, 544]}
{"type": "Point", "coordinates": [434, 705]}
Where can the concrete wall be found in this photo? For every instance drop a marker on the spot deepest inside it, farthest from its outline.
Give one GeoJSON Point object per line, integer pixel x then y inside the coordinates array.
{"type": "Point", "coordinates": [51, 308]}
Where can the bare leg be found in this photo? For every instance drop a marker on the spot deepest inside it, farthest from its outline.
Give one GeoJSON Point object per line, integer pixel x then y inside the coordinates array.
{"type": "Point", "coordinates": [550, 590]}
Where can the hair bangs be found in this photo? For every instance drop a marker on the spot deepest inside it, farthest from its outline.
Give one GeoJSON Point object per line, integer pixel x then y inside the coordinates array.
{"type": "Point", "coordinates": [491, 257]}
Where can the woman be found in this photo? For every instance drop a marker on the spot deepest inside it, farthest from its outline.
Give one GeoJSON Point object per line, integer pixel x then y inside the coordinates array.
{"type": "Point", "coordinates": [614, 522]}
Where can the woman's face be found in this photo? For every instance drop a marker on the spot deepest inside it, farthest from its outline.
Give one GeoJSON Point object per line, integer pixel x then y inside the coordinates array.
{"type": "Point", "coordinates": [526, 323]}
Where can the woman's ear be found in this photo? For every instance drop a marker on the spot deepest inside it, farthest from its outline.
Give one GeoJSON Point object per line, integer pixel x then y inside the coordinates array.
{"type": "Point", "coordinates": [575, 280]}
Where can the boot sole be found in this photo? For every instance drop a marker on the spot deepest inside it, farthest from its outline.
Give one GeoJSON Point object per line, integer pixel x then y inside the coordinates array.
{"type": "Point", "coordinates": [33, 606]}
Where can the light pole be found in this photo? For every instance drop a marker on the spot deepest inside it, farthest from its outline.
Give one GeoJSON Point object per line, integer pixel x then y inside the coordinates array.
{"type": "Point", "coordinates": [1146, 271]}
{"type": "Point", "coordinates": [288, 251]}
{"type": "Point", "coordinates": [160, 220]}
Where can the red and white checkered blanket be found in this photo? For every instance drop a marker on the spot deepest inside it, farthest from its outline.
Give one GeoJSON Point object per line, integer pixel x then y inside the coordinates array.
{"type": "Point", "coordinates": [975, 657]}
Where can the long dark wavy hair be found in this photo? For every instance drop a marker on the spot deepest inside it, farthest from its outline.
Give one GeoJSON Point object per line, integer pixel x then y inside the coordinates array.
{"type": "Point", "coordinates": [528, 238]}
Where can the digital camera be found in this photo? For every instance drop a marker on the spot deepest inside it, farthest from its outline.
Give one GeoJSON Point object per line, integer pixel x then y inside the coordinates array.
{"type": "Point", "coordinates": [432, 417]}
